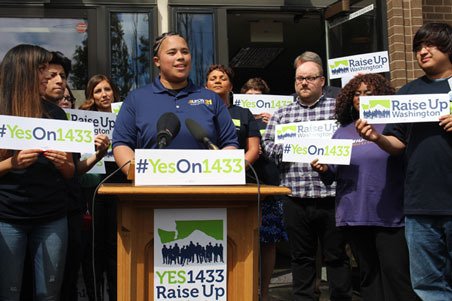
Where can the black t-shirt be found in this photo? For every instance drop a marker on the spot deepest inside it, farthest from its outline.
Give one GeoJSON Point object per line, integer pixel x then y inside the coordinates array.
{"type": "Point", "coordinates": [37, 193]}
{"type": "Point", "coordinates": [76, 203]}
{"type": "Point", "coordinates": [428, 154]}
{"type": "Point", "coordinates": [245, 124]}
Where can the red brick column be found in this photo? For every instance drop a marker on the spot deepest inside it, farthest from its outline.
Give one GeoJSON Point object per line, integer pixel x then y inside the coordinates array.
{"type": "Point", "coordinates": [404, 18]}
{"type": "Point", "coordinates": [437, 11]}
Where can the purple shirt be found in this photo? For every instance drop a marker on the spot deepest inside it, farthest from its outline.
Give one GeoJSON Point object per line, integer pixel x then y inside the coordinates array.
{"type": "Point", "coordinates": [370, 190]}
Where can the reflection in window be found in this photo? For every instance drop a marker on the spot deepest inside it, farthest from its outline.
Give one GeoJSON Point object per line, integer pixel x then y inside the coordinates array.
{"type": "Point", "coordinates": [198, 29]}
{"type": "Point", "coordinates": [68, 36]}
{"type": "Point", "coordinates": [358, 35]}
{"type": "Point", "coordinates": [130, 51]}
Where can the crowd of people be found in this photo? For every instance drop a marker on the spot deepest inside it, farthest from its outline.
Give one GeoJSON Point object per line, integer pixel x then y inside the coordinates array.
{"type": "Point", "coordinates": [392, 205]}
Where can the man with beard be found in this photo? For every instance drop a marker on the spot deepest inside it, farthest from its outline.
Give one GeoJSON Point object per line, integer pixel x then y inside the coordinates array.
{"type": "Point", "coordinates": [309, 212]}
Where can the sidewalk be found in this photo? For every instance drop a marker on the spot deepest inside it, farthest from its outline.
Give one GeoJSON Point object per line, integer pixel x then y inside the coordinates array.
{"type": "Point", "coordinates": [281, 283]}
{"type": "Point", "coordinates": [281, 287]}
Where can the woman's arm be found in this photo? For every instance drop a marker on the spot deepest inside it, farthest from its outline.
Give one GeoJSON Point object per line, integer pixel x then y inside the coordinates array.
{"type": "Point", "coordinates": [252, 149]}
{"type": "Point", "coordinates": [102, 143]}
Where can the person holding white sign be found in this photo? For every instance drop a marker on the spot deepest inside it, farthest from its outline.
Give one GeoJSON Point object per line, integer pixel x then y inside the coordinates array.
{"type": "Point", "coordinates": [309, 211]}
{"type": "Point", "coordinates": [171, 92]}
{"type": "Point", "coordinates": [32, 182]}
{"type": "Point", "coordinates": [257, 85]}
{"type": "Point", "coordinates": [369, 200]}
{"type": "Point", "coordinates": [427, 147]}
{"type": "Point", "coordinates": [272, 229]}
{"type": "Point", "coordinates": [219, 80]}
{"type": "Point", "coordinates": [100, 93]}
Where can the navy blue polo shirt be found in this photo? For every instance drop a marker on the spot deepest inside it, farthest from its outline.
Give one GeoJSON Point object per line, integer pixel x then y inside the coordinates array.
{"type": "Point", "coordinates": [136, 123]}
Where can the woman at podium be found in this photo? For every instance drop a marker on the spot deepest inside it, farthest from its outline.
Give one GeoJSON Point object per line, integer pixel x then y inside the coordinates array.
{"type": "Point", "coordinates": [172, 92]}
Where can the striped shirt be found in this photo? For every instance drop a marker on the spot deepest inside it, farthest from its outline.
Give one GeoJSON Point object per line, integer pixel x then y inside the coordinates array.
{"type": "Point", "coordinates": [304, 182]}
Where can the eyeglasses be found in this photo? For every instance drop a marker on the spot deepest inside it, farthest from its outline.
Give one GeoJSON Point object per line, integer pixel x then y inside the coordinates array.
{"type": "Point", "coordinates": [69, 98]}
{"type": "Point", "coordinates": [308, 79]}
{"type": "Point", "coordinates": [419, 47]}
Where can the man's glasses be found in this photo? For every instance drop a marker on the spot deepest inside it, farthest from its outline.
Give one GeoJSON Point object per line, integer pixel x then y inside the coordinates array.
{"type": "Point", "coordinates": [308, 79]}
{"type": "Point", "coordinates": [69, 98]}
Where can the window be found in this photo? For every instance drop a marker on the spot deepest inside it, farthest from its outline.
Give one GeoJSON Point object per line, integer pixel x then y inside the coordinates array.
{"type": "Point", "coordinates": [55, 34]}
{"type": "Point", "coordinates": [130, 50]}
{"type": "Point", "coordinates": [198, 29]}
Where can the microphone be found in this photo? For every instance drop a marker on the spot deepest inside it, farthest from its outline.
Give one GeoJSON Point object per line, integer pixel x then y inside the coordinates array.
{"type": "Point", "coordinates": [199, 133]}
{"type": "Point", "coordinates": [168, 127]}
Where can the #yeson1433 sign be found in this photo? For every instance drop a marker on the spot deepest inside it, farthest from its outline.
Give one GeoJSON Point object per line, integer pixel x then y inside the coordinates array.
{"type": "Point", "coordinates": [190, 254]}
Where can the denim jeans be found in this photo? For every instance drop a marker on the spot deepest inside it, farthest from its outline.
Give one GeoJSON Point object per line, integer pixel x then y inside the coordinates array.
{"type": "Point", "coordinates": [429, 240]}
{"type": "Point", "coordinates": [46, 243]}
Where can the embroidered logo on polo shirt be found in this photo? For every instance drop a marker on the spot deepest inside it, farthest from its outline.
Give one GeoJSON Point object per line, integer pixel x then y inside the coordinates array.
{"type": "Point", "coordinates": [200, 101]}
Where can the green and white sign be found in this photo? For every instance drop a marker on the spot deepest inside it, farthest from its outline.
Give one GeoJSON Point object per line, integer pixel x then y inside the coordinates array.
{"type": "Point", "coordinates": [328, 151]}
{"type": "Point", "coordinates": [115, 107]}
{"type": "Point", "coordinates": [293, 132]}
{"type": "Point", "coordinates": [262, 103]}
{"type": "Point", "coordinates": [190, 254]}
{"type": "Point", "coordinates": [42, 133]}
{"type": "Point", "coordinates": [375, 62]}
{"type": "Point", "coordinates": [189, 167]}
{"type": "Point", "coordinates": [103, 122]}
{"type": "Point", "coordinates": [404, 108]}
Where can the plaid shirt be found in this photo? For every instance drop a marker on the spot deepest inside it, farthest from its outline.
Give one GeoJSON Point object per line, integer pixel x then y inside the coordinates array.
{"type": "Point", "coordinates": [304, 182]}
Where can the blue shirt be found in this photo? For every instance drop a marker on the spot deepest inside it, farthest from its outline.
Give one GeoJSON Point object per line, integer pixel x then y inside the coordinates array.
{"type": "Point", "coordinates": [136, 123]}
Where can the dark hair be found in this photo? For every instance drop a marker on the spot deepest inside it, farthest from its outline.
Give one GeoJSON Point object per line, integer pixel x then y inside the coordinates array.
{"type": "Point", "coordinates": [20, 82]}
{"type": "Point", "coordinates": [159, 40]}
{"type": "Point", "coordinates": [89, 103]}
{"type": "Point", "coordinates": [255, 83]}
{"type": "Point", "coordinates": [225, 69]}
{"type": "Point", "coordinates": [434, 34]}
{"type": "Point", "coordinates": [59, 59]}
{"type": "Point", "coordinates": [345, 113]}
{"type": "Point", "coordinates": [71, 95]}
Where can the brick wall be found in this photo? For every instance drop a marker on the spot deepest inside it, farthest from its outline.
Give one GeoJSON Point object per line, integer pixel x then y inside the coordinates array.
{"type": "Point", "coordinates": [437, 11]}
{"type": "Point", "coordinates": [404, 18]}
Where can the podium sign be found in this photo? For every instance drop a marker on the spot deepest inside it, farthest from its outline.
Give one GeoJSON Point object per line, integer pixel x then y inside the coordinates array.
{"type": "Point", "coordinates": [189, 167]}
{"type": "Point", "coordinates": [190, 254]}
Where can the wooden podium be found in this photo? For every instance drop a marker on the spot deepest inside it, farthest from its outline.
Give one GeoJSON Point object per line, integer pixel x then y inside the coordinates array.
{"type": "Point", "coordinates": [136, 206]}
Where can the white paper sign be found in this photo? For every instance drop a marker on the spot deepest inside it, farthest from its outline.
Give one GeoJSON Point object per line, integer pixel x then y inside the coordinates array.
{"type": "Point", "coordinates": [375, 62]}
{"type": "Point", "coordinates": [115, 107]}
{"type": "Point", "coordinates": [262, 103]}
{"type": "Point", "coordinates": [190, 254]}
{"type": "Point", "coordinates": [103, 123]}
{"type": "Point", "coordinates": [293, 132]}
{"type": "Point", "coordinates": [26, 133]}
{"type": "Point", "coordinates": [404, 108]}
{"type": "Point", "coordinates": [189, 167]}
{"type": "Point", "coordinates": [328, 151]}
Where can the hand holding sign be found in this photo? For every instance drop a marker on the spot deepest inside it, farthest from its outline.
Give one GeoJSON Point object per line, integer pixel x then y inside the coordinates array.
{"type": "Point", "coordinates": [366, 130]}
{"type": "Point", "coordinates": [319, 167]}
{"type": "Point", "coordinates": [102, 144]}
{"type": "Point", "coordinates": [58, 158]}
{"type": "Point", "coordinates": [446, 122]}
{"type": "Point", "coordinates": [24, 158]}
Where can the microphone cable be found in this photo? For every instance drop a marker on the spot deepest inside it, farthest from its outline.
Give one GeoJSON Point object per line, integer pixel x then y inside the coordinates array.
{"type": "Point", "coordinates": [93, 227]}
{"type": "Point", "coordinates": [256, 178]}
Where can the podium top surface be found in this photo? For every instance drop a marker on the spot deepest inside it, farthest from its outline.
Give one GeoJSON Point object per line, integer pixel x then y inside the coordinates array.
{"type": "Point", "coordinates": [128, 189]}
